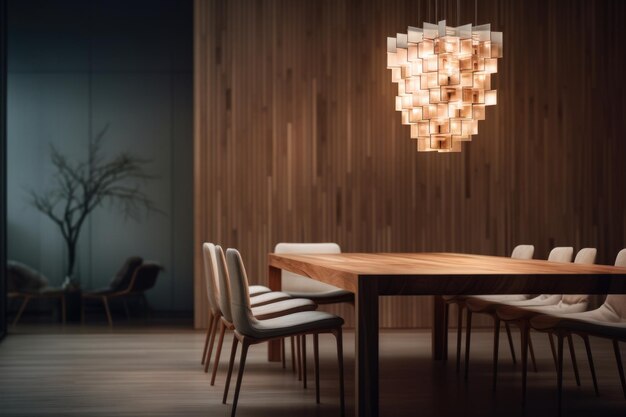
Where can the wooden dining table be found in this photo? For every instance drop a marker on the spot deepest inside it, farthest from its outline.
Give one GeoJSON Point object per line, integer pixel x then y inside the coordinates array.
{"type": "Point", "coordinates": [370, 275]}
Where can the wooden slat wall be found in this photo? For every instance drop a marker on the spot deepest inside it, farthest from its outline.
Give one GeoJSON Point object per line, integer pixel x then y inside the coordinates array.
{"type": "Point", "coordinates": [296, 137]}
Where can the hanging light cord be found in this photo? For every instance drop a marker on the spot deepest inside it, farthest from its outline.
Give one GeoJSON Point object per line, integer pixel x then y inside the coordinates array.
{"type": "Point", "coordinates": [476, 12]}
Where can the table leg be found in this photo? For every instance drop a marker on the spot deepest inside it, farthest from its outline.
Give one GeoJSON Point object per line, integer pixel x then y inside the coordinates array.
{"type": "Point", "coordinates": [438, 334]}
{"type": "Point", "coordinates": [273, 346]}
{"type": "Point", "coordinates": [366, 367]}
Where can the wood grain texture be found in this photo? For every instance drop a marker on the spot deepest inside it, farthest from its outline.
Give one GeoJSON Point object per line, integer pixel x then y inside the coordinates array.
{"type": "Point", "coordinates": [153, 371]}
{"type": "Point", "coordinates": [297, 139]}
{"type": "Point", "coordinates": [383, 265]}
{"type": "Point", "coordinates": [452, 273]}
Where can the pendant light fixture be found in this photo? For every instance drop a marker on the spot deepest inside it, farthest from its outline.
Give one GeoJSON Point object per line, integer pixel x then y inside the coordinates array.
{"type": "Point", "coordinates": [444, 81]}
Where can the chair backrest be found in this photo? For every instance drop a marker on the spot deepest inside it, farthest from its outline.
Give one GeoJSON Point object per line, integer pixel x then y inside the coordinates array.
{"type": "Point", "coordinates": [21, 277]}
{"type": "Point", "coordinates": [617, 302]}
{"type": "Point", "coordinates": [121, 280]}
{"type": "Point", "coordinates": [243, 319]}
{"type": "Point", "coordinates": [523, 252]}
{"type": "Point", "coordinates": [210, 276]}
{"type": "Point", "coordinates": [561, 254]}
{"type": "Point", "coordinates": [584, 256]}
{"type": "Point", "coordinates": [145, 277]}
{"type": "Point", "coordinates": [224, 284]}
{"type": "Point", "coordinates": [297, 283]}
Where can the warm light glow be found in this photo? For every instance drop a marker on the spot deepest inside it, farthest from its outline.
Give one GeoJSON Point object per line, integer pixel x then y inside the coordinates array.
{"type": "Point", "coordinates": [444, 81]}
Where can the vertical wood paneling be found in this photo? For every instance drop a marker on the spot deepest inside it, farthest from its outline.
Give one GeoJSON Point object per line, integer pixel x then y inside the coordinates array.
{"type": "Point", "coordinates": [296, 137]}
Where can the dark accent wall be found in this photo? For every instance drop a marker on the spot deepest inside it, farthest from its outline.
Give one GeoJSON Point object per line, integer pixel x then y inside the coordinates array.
{"type": "Point", "coordinates": [297, 139]}
{"type": "Point", "coordinates": [3, 164]}
{"type": "Point", "coordinates": [75, 67]}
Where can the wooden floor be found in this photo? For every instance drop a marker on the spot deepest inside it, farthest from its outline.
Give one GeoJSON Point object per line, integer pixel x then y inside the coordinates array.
{"type": "Point", "coordinates": [148, 371]}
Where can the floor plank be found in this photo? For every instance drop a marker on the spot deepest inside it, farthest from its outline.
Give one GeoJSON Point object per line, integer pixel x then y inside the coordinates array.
{"type": "Point", "coordinates": [155, 371]}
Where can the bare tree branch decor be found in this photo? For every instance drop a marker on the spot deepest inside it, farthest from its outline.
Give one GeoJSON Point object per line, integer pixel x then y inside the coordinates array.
{"type": "Point", "coordinates": [82, 186]}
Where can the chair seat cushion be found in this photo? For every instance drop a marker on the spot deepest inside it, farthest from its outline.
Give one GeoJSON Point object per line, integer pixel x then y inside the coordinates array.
{"type": "Point", "coordinates": [510, 312]}
{"type": "Point", "coordinates": [489, 303]}
{"type": "Point", "coordinates": [282, 308]}
{"type": "Point", "coordinates": [267, 298]}
{"type": "Point", "coordinates": [255, 290]}
{"type": "Point", "coordinates": [602, 322]}
{"type": "Point", "coordinates": [294, 323]}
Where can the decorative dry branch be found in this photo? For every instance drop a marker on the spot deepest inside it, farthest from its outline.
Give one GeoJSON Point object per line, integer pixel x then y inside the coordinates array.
{"type": "Point", "coordinates": [80, 187]}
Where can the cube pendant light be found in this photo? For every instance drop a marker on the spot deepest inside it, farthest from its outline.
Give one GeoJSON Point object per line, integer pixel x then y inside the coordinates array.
{"type": "Point", "coordinates": [444, 81]}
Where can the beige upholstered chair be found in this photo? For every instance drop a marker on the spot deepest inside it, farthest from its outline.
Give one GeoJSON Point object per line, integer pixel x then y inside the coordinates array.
{"type": "Point", "coordinates": [219, 303]}
{"type": "Point", "coordinates": [264, 312]}
{"type": "Point", "coordinates": [261, 296]}
{"type": "Point", "coordinates": [519, 252]}
{"type": "Point", "coordinates": [299, 286]}
{"type": "Point", "coordinates": [520, 313]}
{"type": "Point", "coordinates": [487, 304]}
{"type": "Point", "coordinates": [608, 322]}
{"type": "Point", "coordinates": [250, 331]}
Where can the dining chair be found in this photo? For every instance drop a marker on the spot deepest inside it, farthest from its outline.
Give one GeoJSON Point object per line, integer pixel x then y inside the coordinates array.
{"type": "Point", "coordinates": [487, 304]}
{"type": "Point", "coordinates": [300, 286]}
{"type": "Point", "coordinates": [250, 331]}
{"type": "Point", "coordinates": [262, 296]}
{"type": "Point", "coordinates": [264, 312]}
{"type": "Point", "coordinates": [142, 279]}
{"type": "Point", "coordinates": [607, 322]}
{"type": "Point", "coordinates": [520, 313]}
{"type": "Point", "coordinates": [521, 252]}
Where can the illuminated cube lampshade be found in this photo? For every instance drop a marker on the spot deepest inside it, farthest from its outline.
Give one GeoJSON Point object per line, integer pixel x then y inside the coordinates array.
{"type": "Point", "coordinates": [444, 81]}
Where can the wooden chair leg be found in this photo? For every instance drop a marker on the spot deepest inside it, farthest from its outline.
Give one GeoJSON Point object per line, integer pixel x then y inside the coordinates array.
{"type": "Point", "coordinates": [283, 353]}
{"type": "Point", "coordinates": [531, 349]}
{"type": "Point", "coordinates": [242, 364]}
{"type": "Point", "coordinates": [63, 310]}
{"type": "Point", "coordinates": [207, 337]}
{"type": "Point", "coordinates": [459, 330]}
{"type": "Point", "coordinates": [592, 368]}
{"type": "Point", "coordinates": [293, 355]}
{"type": "Point", "coordinates": [211, 342]}
{"type": "Point", "coordinates": [553, 349]}
{"type": "Point", "coordinates": [233, 351]}
{"type": "Point", "coordinates": [620, 366]}
{"type": "Point", "coordinates": [339, 337]}
{"type": "Point", "coordinates": [510, 338]}
{"type": "Point", "coordinates": [304, 384]}
{"type": "Point", "coordinates": [524, 333]}
{"type": "Point", "coordinates": [496, 345]}
{"type": "Point", "coordinates": [316, 359]}
{"type": "Point", "coordinates": [572, 354]}
{"type": "Point", "coordinates": [105, 301]}
{"type": "Point", "coordinates": [298, 358]}
{"type": "Point", "coordinates": [559, 373]}
{"type": "Point", "coordinates": [468, 336]}
{"type": "Point", "coordinates": [21, 310]}
{"type": "Point", "coordinates": [446, 326]}
{"type": "Point", "coordinates": [218, 352]}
